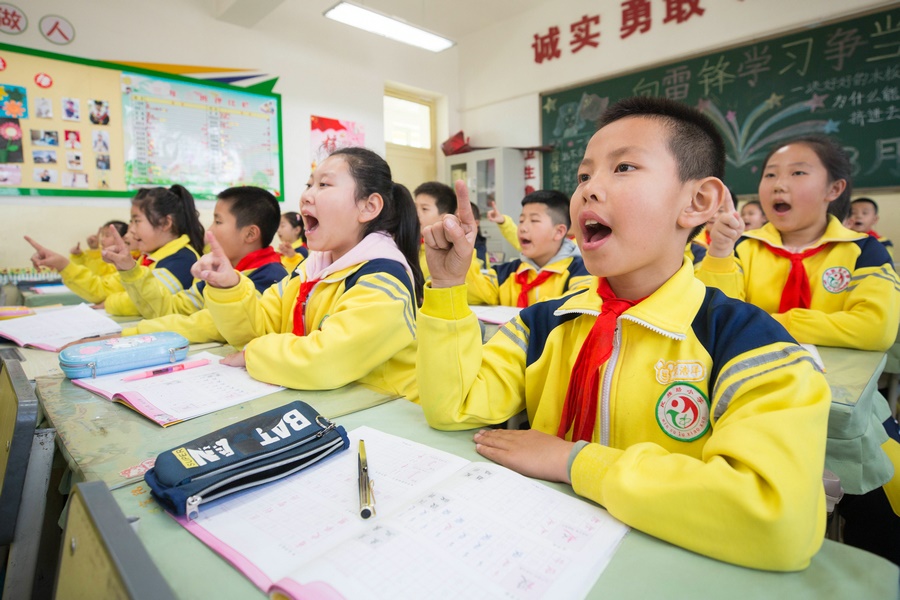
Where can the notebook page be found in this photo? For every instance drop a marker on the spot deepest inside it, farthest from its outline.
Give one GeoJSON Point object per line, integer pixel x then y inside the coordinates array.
{"type": "Point", "coordinates": [497, 315]}
{"type": "Point", "coordinates": [51, 330]}
{"type": "Point", "coordinates": [183, 394]}
{"type": "Point", "coordinates": [486, 532]}
{"type": "Point", "coordinates": [268, 532]}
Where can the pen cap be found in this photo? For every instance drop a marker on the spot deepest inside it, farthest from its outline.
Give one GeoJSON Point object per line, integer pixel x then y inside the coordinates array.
{"type": "Point", "coordinates": [122, 354]}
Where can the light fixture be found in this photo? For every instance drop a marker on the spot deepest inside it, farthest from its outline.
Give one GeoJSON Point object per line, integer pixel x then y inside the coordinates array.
{"type": "Point", "coordinates": [389, 27]}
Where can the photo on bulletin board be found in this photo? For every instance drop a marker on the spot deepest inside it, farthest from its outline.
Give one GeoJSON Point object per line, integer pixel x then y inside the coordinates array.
{"type": "Point", "coordinates": [327, 135]}
{"type": "Point", "coordinates": [71, 126]}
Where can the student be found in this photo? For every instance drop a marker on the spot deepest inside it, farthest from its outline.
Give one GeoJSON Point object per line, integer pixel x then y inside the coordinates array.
{"type": "Point", "coordinates": [293, 245]}
{"type": "Point", "coordinates": [433, 200]}
{"type": "Point", "coordinates": [863, 217]}
{"type": "Point", "coordinates": [550, 264]}
{"type": "Point", "coordinates": [752, 215]}
{"type": "Point", "coordinates": [692, 417]}
{"type": "Point", "coordinates": [244, 223]}
{"type": "Point", "coordinates": [166, 227]}
{"type": "Point", "coordinates": [826, 284]}
{"type": "Point", "coordinates": [349, 314]}
{"type": "Point", "coordinates": [92, 258]}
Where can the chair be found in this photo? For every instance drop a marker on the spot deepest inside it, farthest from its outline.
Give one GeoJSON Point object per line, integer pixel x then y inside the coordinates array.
{"type": "Point", "coordinates": [101, 556]}
{"type": "Point", "coordinates": [25, 457]}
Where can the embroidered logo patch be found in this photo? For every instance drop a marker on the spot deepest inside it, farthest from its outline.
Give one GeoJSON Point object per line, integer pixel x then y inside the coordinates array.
{"type": "Point", "coordinates": [836, 279]}
{"type": "Point", "coordinates": [683, 412]}
{"type": "Point", "coordinates": [668, 371]}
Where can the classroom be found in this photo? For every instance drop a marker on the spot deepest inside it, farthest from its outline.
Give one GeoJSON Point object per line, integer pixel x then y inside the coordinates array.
{"type": "Point", "coordinates": [502, 88]}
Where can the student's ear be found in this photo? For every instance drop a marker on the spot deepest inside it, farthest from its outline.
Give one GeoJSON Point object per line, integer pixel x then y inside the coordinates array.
{"type": "Point", "coordinates": [250, 234]}
{"type": "Point", "coordinates": [835, 189]}
{"type": "Point", "coordinates": [167, 223]}
{"type": "Point", "coordinates": [707, 195]}
{"type": "Point", "coordinates": [370, 208]}
{"type": "Point", "coordinates": [559, 232]}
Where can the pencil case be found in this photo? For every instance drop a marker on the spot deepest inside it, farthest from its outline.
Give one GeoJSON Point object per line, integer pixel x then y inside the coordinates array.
{"type": "Point", "coordinates": [252, 452]}
{"type": "Point", "coordinates": [122, 354]}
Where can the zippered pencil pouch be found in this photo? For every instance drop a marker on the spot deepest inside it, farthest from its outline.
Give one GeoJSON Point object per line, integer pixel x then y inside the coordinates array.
{"type": "Point", "coordinates": [252, 452]}
{"type": "Point", "coordinates": [122, 354]}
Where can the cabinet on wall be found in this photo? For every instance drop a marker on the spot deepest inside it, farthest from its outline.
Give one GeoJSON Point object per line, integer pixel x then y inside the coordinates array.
{"type": "Point", "coordinates": [497, 175]}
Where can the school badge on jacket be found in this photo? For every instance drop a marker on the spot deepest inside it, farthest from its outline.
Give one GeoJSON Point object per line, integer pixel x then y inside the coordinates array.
{"type": "Point", "coordinates": [683, 412]}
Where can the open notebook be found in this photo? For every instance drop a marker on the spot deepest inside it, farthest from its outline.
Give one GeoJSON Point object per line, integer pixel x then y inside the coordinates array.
{"type": "Point", "coordinates": [174, 397]}
{"type": "Point", "coordinates": [51, 330]}
{"type": "Point", "coordinates": [444, 527]}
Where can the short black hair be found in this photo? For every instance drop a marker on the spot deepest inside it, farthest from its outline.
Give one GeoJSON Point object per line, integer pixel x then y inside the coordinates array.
{"type": "Point", "coordinates": [122, 226]}
{"type": "Point", "coordinates": [694, 140]}
{"type": "Point", "coordinates": [443, 194]}
{"type": "Point", "coordinates": [253, 205]}
{"type": "Point", "coordinates": [557, 205]}
{"type": "Point", "coordinates": [869, 200]}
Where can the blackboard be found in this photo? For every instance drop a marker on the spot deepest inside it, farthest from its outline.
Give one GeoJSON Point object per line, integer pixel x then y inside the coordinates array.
{"type": "Point", "coordinates": [841, 79]}
{"type": "Point", "coordinates": [77, 127]}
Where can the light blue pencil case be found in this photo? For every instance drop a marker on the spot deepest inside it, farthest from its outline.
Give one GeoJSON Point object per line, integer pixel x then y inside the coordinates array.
{"type": "Point", "coordinates": [122, 354]}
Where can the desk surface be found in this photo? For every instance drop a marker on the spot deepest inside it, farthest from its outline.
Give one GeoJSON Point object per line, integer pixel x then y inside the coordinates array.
{"type": "Point", "coordinates": [643, 567]}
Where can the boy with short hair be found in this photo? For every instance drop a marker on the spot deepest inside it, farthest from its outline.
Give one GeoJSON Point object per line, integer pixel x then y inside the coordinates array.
{"type": "Point", "coordinates": [245, 220]}
{"type": "Point", "coordinates": [863, 217]}
{"type": "Point", "coordinates": [688, 415]}
{"type": "Point", "coordinates": [550, 264]}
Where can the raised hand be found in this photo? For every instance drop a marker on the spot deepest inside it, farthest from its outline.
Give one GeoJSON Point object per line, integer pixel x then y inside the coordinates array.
{"type": "Point", "coordinates": [286, 249]}
{"type": "Point", "coordinates": [214, 268]}
{"type": "Point", "coordinates": [118, 253]}
{"type": "Point", "coordinates": [76, 250]}
{"type": "Point", "coordinates": [44, 257]}
{"type": "Point", "coordinates": [495, 215]}
{"type": "Point", "coordinates": [93, 241]}
{"type": "Point", "coordinates": [725, 232]}
{"type": "Point", "coordinates": [450, 242]}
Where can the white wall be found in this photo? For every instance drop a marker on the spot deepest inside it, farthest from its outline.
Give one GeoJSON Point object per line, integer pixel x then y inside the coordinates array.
{"type": "Point", "coordinates": [500, 83]}
{"type": "Point", "coordinates": [324, 68]}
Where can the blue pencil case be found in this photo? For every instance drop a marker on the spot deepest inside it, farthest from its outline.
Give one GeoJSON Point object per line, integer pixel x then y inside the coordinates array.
{"type": "Point", "coordinates": [257, 450]}
{"type": "Point", "coordinates": [122, 354]}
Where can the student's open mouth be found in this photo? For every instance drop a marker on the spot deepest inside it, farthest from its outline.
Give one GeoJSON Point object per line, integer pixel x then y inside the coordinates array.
{"type": "Point", "coordinates": [781, 207]}
{"type": "Point", "coordinates": [524, 242]}
{"type": "Point", "coordinates": [310, 223]}
{"type": "Point", "coordinates": [593, 231]}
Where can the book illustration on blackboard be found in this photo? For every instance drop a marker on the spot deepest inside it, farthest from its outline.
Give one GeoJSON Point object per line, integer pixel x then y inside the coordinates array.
{"type": "Point", "coordinates": [10, 175]}
{"type": "Point", "coordinates": [99, 114]}
{"type": "Point", "coordinates": [43, 156]}
{"type": "Point", "coordinates": [71, 109]}
{"type": "Point", "coordinates": [43, 108]}
{"type": "Point", "coordinates": [43, 137]}
{"type": "Point", "coordinates": [13, 102]}
{"type": "Point", "coordinates": [748, 142]}
{"type": "Point", "coordinates": [42, 175]}
{"type": "Point", "coordinates": [10, 141]}
{"type": "Point", "coordinates": [574, 118]}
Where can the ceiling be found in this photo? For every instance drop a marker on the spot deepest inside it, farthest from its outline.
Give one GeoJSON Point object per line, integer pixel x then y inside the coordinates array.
{"type": "Point", "coordinates": [454, 19]}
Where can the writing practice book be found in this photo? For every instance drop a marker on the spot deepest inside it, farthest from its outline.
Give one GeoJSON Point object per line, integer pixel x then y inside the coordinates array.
{"type": "Point", "coordinates": [51, 330]}
{"type": "Point", "coordinates": [173, 397]}
{"type": "Point", "coordinates": [444, 527]}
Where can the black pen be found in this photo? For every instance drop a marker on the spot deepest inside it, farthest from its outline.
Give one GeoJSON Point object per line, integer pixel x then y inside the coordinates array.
{"type": "Point", "coordinates": [366, 493]}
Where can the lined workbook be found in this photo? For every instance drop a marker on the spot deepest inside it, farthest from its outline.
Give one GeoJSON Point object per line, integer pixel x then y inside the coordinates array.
{"type": "Point", "coordinates": [444, 527]}
{"type": "Point", "coordinates": [171, 397]}
{"type": "Point", "coordinates": [51, 330]}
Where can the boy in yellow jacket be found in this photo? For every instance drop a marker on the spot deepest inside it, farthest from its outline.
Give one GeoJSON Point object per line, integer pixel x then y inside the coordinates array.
{"type": "Point", "coordinates": [688, 415]}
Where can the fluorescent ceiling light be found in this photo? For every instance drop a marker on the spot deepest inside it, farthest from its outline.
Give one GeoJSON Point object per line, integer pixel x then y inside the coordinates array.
{"type": "Point", "coordinates": [389, 27]}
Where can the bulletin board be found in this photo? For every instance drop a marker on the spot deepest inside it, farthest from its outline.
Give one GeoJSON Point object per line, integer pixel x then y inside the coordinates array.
{"type": "Point", "coordinates": [841, 79]}
{"type": "Point", "coordinates": [77, 127]}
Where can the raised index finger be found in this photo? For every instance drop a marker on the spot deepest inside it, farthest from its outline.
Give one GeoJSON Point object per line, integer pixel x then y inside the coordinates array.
{"type": "Point", "coordinates": [214, 247]}
{"type": "Point", "coordinates": [34, 244]}
{"type": "Point", "coordinates": [464, 208]}
{"type": "Point", "coordinates": [729, 202]}
{"type": "Point", "coordinates": [116, 237]}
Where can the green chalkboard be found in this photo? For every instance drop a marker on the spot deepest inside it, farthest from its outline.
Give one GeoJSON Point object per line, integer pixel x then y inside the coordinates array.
{"type": "Point", "coordinates": [841, 79]}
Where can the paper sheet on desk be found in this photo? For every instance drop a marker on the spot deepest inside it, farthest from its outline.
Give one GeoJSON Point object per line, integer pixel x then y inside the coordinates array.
{"type": "Point", "coordinates": [51, 330]}
{"type": "Point", "coordinates": [496, 315]}
{"type": "Point", "coordinates": [815, 354]}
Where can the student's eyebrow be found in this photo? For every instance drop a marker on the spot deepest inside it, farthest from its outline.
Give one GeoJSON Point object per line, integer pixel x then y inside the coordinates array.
{"type": "Point", "coordinates": [801, 163]}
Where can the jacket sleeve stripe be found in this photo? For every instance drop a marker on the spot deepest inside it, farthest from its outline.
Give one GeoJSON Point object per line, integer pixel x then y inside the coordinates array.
{"type": "Point", "coordinates": [404, 299]}
{"type": "Point", "coordinates": [399, 291]}
{"type": "Point", "coordinates": [168, 280]}
{"type": "Point", "coordinates": [507, 331]}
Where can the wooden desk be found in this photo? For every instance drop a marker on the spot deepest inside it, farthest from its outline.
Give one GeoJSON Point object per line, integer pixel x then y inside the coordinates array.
{"type": "Point", "coordinates": [855, 433]}
{"type": "Point", "coordinates": [106, 441]}
{"type": "Point", "coordinates": [643, 567]}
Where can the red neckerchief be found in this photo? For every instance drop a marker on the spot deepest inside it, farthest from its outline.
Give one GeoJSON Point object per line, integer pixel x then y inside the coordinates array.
{"type": "Point", "coordinates": [305, 288]}
{"type": "Point", "coordinates": [522, 280]}
{"type": "Point", "coordinates": [707, 237]}
{"type": "Point", "coordinates": [873, 234]}
{"type": "Point", "coordinates": [796, 292]}
{"type": "Point", "coordinates": [258, 258]}
{"type": "Point", "coordinates": [584, 385]}
{"type": "Point", "coordinates": [146, 261]}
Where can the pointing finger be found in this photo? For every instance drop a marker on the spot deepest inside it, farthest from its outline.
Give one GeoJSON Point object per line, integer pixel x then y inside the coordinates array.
{"type": "Point", "coordinates": [464, 212]}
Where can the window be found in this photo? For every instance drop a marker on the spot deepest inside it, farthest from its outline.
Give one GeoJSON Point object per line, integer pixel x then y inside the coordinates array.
{"type": "Point", "coordinates": [407, 122]}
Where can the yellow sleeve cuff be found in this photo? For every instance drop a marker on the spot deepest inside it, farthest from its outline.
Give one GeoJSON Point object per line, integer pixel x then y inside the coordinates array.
{"type": "Point", "coordinates": [130, 331]}
{"type": "Point", "coordinates": [225, 295]}
{"type": "Point", "coordinates": [133, 274]}
{"type": "Point", "coordinates": [590, 467]}
{"type": "Point", "coordinates": [446, 303]}
{"type": "Point", "coordinates": [715, 264]}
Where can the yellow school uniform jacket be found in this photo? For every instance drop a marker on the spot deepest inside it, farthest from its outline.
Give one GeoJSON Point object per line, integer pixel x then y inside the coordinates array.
{"type": "Point", "coordinates": [510, 232]}
{"type": "Point", "coordinates": [93, 260]}
{"type": "Point", "coordinates": [711, 422]}
{"type": "Point", "coordinates": [290, 263]}
{"type": "Point", "coordinates": [855, 292]}
{"type": "Point", "coordinates": [199, 327]}
{"type": "Point", "coordinates": [360, 324]}
{"type": "Point", "coordinates": [568, 270]}
{"type": "Point", "coordinates": [480, 288]}
{"type": "Point", "coordinates": [695, 252]}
